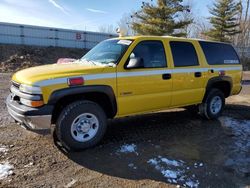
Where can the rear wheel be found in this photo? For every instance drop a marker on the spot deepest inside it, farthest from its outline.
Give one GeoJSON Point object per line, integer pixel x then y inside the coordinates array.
{"type": "Point", "coordinates": [81, 125]}
{"type": "Point", "coordinates": [213, 104]}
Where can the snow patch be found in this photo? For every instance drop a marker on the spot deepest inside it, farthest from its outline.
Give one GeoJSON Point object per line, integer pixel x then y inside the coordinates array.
{"type": "Point", "coordinates": [159, 164]}
{"type": "Point", "coordinates": [191, 183]}
{"type": "Point", "coordinates": [175, 171]}
{"type": "Point", "coordinates": [170, 174]}
{"type": "Point", "coordinates": [5, 170]}
{"type": "Point", "coordinates": [171, 162]}
{"type": "Point", "coordinates": [3, 149]}
{"type": "Point", "coordinates": [131, 165]}
{"type": "Point", "coordinates": [128, 148]}
{"type": "Point", "coordinates": [153, 161]}
{"type": "Point", "coordinates": [196, 165]}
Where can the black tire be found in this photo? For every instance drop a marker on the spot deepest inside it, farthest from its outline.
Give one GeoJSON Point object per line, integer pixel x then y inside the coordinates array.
{"type": "Point", "coordinates": [205, 108]}
{"type": "Point", "coordinates": [68, 116]}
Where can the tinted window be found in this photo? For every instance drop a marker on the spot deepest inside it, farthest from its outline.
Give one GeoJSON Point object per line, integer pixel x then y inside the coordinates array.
{"type": "Point", "coordinates": [184, 54]}
{"type": "Point", "coordinates": [152, 54]}
{"type": "Point", "coordinates": [219, 53]}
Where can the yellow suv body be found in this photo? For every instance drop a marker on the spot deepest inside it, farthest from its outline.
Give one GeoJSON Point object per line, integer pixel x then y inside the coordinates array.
{"type": "Point", "coordinates": [121, 77]}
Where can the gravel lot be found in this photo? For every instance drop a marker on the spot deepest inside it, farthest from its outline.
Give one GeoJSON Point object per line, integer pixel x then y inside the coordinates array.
{"type": "Point", "coordinates": [157, 150]}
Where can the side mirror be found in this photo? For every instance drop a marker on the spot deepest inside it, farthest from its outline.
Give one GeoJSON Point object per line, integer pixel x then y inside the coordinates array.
{"type": "Point", "coordinates": [134, 63]}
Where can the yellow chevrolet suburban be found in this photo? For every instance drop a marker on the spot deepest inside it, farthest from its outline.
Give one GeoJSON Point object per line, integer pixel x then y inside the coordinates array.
{"type": "Point", "coordinates": [122, 77]}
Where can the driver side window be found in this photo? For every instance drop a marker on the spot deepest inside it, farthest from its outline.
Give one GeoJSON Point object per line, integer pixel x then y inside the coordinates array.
{"type": "Point", "coordinates": [150, 53]}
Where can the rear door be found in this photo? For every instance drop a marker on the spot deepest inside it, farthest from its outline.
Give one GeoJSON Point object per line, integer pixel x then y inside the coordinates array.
{"type": "Point", "coordinates": [222, 58]}
{"type": "Point", "coordinates": [188, 76]}
{"type": "Point", "coordinates": [147, 88]}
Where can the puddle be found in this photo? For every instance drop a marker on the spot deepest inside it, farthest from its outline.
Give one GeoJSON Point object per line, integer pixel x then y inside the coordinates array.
{"type": "Point", "coordinates": [239, 156]}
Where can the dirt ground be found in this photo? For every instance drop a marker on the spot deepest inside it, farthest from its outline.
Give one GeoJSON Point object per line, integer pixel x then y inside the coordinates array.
{"type": "Point", "coordinates": [163, 149]}
{"type": "Point", "coordinates": [17, 57]}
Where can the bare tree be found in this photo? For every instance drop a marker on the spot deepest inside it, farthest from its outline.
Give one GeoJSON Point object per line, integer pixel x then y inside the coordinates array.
{"type": "Point", "coordinates": [107, 29]}
{"type": "Point", "coordinates": [242, 41]}
{"type": "Point", "coordinates": [199, 25]}
{"type": "Point", "coordinates": [125, 24]}
{"type": "Point", "coordinates": [199, 28]}
{"type": "Point", "coordinates": [246, 26]}
{"type": "Point", "coordinates": [188, 15]}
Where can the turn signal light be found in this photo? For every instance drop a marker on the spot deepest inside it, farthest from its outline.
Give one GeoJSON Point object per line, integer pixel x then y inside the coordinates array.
{"type": "Point", "coordinates": [75, 81]}
{"type": "Point", "coordinates": [37, 103]}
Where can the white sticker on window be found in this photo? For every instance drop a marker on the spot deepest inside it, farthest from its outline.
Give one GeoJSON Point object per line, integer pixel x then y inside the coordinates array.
{"type": "Point", "coordinates": [231, 62]}
{"type": "Point", "coordinates": [124, 42]}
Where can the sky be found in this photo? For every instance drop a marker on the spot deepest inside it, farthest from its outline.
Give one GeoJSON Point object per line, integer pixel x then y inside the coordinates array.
{"type": "Point", "coordinates": [77, 14]}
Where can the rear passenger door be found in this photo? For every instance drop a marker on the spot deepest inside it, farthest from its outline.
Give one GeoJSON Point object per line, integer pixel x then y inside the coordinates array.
{"type": "Point", "coordinates": [222, 58]}
{"type": "Point", "coordinates": [188, 76]}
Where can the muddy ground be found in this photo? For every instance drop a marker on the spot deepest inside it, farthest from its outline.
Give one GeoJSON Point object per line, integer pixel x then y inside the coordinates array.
{"type": "Point", "coordinates": [163, 149]}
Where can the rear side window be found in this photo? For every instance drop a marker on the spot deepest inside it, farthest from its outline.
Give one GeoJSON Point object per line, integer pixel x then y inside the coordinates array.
{"type": "Point", "coordinates": [184, 54]}
{"type": "Point", "coordinates": [219, 53]}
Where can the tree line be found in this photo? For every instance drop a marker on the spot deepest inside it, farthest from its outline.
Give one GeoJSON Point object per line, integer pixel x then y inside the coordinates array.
{"type": "Point", "coordinates": [229, 21]}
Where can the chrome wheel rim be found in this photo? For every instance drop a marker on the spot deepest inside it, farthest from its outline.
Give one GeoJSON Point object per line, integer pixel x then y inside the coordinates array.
{"type": "Point", "coordinates": [84, 127]}
{"type": "Point", "coordinates": [216, 105]}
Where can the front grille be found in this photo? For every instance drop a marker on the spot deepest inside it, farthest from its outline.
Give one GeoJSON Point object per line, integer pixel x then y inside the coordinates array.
{"type": "Point", "coordinates": [15, 84]}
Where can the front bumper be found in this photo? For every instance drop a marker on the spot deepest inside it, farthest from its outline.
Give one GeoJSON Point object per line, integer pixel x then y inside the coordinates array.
{"type": "Point", "coordinates": [31, 118]}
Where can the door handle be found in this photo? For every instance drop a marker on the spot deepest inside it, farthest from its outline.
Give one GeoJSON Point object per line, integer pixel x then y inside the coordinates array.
{"type": "Point", "coordinates": [197, 74]}
{"type": "Point", "coordinates": [166, 76]}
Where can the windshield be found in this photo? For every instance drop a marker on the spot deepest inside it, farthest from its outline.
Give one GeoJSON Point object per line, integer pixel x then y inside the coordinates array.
{"type": "Point", "coordinates": [107, 52]}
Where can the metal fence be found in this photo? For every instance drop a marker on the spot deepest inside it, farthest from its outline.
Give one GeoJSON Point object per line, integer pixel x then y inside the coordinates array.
{"type": "Point", "coordinates": [45, 36]}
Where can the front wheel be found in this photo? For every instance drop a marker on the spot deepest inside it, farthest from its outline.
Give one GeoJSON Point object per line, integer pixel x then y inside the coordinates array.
{"type": "Point", "coordinates": [81, 125]}
{"type": "Point", "coordinates": [213, 104]}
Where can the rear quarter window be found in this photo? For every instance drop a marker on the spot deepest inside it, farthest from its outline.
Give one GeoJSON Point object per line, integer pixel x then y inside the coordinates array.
{"type": "Point", "coordinates": [219, 53]}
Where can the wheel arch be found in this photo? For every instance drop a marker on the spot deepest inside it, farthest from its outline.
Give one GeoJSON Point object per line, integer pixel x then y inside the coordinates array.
{"type": "Point", "coordinates": [100, 94]}
{"type": "Point", "coordinates": [223, 83]}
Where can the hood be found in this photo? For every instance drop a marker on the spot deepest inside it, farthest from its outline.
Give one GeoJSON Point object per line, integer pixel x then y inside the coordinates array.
{"type": "Point", "coordinates": [32, 75]}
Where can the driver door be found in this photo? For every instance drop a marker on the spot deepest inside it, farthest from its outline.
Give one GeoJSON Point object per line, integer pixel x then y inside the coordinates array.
{"type": "Point", "coordinates": [147, 87]}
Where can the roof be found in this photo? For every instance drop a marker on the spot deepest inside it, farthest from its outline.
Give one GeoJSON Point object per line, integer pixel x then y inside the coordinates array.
{"type": "Point", "coordinates": [168, 37]}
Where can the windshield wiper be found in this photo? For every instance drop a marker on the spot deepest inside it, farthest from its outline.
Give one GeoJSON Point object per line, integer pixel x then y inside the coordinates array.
{"type": "Point", "coordinates": [88, 61]}
{"type": "Point", "coordinates": [93, 62]}
{"type": "Point", "coordinates": [109, 63]}
{"type": "Point", "coordinates": [96, 63]}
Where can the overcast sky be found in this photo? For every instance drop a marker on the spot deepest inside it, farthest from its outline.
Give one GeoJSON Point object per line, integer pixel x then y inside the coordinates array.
{"type": "Point", "coordinates": [76, 14]}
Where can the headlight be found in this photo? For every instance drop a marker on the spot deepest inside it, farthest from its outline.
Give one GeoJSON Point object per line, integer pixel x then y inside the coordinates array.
{"type": "Point", "coordinates": [30, 89]}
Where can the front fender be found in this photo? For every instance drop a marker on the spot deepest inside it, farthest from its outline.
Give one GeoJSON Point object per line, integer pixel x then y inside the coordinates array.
{"type": "Point", "coordinates": [71, 91]}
